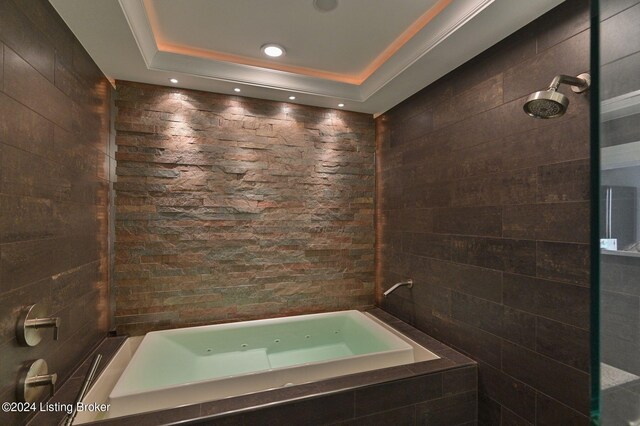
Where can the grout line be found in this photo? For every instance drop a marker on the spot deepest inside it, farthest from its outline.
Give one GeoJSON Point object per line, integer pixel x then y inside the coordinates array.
{"type": "Point", "coordinates": [561, 403]}
{"type": "Point", "coordinates": [439, 180]}
{"type": "Point", "coordinates": [577, 370]}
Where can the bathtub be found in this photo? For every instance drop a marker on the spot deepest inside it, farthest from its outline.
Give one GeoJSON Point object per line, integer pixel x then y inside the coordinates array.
{"type": "Point", "coordinates": [166, 369]}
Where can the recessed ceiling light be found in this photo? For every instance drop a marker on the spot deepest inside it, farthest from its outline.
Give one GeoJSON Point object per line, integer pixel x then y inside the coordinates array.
{"type": "Point", "coordinates": [272, 50]}
{"type": "Point", "coordinates": [340, 105]}
{"type": "Point", "coordinates": [236, 89]}
{"type": "Point", "coordinates": [292, 98]}
{"type": "Point", "coordinates": [173, 80]}
{"type": "Point", "coordinates": [325, 5]}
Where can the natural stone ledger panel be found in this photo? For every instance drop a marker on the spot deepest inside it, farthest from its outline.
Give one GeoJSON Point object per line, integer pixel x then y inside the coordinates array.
{"type": "Point", "coordinates": [231, 208]}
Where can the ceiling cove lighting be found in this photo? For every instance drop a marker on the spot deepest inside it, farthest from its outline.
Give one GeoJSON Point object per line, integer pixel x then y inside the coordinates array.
{"type": "Point", "coordinates": [173, 80]}
{"type": "Point", "coordinates": [236, 89]}
{"type": "Point", "coordinates": [291, 98]}
{"type": "Point", "coordinates": [340, 105]}
{"type": "Point", "coordinates": [272, 50]}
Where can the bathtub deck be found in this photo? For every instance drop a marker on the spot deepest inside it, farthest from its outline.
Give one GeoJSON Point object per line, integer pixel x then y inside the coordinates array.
{"type": "Point", "coordinates": [172, 368]}
{"type": "Point", "coordinates": [362, 396]}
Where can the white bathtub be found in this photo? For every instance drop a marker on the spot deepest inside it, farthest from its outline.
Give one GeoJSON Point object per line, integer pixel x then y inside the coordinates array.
{"type": "Point", "coordinates": [186, 366]}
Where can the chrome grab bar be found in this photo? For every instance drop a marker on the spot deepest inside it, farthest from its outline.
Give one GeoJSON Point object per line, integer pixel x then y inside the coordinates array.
{"type": "Point", "coordinates": [408, 283]}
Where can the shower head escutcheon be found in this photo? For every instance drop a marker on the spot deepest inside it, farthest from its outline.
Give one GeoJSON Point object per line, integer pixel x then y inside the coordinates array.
{"type": "Point", "coordinates": [550, 103]}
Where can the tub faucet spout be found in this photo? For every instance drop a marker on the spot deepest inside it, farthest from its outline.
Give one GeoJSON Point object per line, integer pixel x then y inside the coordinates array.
{"type": "Point", "coordinates": [408, 283]}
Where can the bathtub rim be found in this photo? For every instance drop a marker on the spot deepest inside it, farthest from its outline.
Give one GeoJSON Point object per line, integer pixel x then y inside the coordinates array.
{"type": "Point", "coordinates": [121, 393]}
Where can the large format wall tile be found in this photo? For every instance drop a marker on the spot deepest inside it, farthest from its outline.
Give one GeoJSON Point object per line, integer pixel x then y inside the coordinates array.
{"type": "Point", "coordinates": [54, 134]}
{"type": "Point", "coordinates": [487, 210]}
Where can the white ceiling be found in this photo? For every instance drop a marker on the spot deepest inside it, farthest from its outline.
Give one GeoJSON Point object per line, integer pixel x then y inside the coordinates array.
{"type": "Point", "coordinates": [368, 54]}
{"type": "Point", "coordinates": [329, 41]}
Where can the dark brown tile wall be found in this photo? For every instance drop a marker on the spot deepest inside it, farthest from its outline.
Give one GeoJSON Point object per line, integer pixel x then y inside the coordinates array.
{"type": "Point", "coordinates": [232, 208]}
{"type": "Point", "coordinates": [420, 400]}
{"type": "Point", "coordinates": [487, 210]}
{"type": "Point", "coordinates": [54, 190]}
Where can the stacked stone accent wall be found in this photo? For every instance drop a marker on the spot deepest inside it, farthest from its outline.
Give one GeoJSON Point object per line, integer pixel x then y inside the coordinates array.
{"type": "Point", "coordinates": [230, 208]}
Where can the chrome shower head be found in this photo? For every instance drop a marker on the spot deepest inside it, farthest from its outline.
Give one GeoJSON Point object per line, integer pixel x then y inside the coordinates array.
{"type": "Point", "coordinates": [546, 104]}
{"type": "Point", "coordinates": [550, 103]}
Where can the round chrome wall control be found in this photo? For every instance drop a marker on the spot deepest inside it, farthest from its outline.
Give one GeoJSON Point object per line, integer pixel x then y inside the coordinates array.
{"type": "Point", "coordinates": [31, 321]}
{"type": "Point", "coordinates": [33, 379]}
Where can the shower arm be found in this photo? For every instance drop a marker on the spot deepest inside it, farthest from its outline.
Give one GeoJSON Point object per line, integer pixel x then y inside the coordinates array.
{"type": "Point", "coordinates": [578, 84]}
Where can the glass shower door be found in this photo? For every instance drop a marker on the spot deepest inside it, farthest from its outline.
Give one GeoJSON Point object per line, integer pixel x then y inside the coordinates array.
{"type": "Point", "coordinates": [619, 212]}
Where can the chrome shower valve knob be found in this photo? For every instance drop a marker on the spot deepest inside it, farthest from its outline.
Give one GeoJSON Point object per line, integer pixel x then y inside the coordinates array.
{"type": "Point", "coordinates": [31, 321]}
{"type": "Point", "coordinates": [33, 379]}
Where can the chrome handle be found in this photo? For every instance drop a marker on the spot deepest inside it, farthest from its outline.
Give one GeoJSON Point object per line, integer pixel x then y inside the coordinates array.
{"type": "Point", "coordinates": [33, 378]}
{"type": "Point", "coordinates": [53, 322]}
{"type": "Point", "coordinates": [31, 321]}
{"type": "Point", "coordinates": [44, 380]}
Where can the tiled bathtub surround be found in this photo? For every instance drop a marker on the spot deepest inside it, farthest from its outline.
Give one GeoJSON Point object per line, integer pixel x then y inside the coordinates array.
{"type": "Point", "coordinates": [233, 208]}
{"type": "Point", "coordinates": [54, 190]}
{"type": "Point", "coordinates": [440, 392]}
{"type": "Point", "coordinates": [487, 210]}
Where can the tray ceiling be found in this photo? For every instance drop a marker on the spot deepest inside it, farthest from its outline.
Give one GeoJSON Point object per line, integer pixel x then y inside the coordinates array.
{"type": "Point", "coordinates": [316, 42]}
{"type": "Point", "coordinates": [366, 54]}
